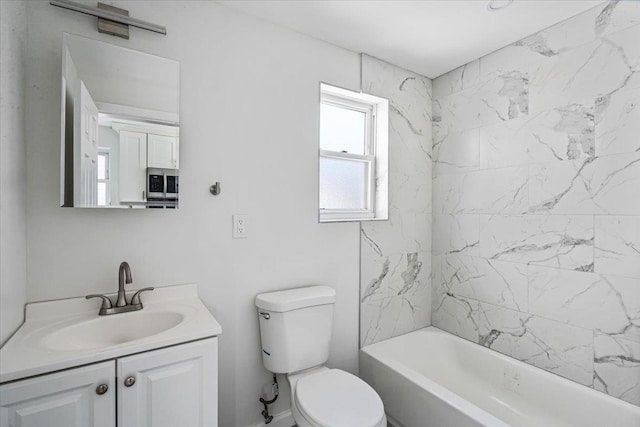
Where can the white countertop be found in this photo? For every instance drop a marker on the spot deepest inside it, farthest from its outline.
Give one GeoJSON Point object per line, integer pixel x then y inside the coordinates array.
{"type": "Point", "coordinates": [26, 353]}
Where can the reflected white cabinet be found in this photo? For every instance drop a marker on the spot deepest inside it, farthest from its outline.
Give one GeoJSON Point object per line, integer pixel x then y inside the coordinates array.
{"type": "Point", "coordinates": [175, 386]}
{"type": "Point", "coordinates": [65, 399]}
{"type": "Point", "coordinates": [169, 387]}
{"type": "Point", "coordinates": [133, 166]}
{"type": "Point", "coordinates": [162, 151]}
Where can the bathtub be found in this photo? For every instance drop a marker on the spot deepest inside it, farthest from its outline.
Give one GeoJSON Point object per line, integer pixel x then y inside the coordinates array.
{"type": "Point", "coordinates": [432, 378]}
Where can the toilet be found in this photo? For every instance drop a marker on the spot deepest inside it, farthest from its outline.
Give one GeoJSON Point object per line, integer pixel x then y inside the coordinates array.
{"type": "Point", "coordinates": [295, 331]}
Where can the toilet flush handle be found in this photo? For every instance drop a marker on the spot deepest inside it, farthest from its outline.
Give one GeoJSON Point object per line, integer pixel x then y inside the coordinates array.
{"type": "Point", "coordinates": [265, 315]}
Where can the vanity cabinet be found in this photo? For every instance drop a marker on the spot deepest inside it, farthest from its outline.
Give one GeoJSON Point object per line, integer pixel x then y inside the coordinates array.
{"type": "Point", "coordinates": [173, 386]}
{"type": "Point", "coordinates": [162, 151]}
{"type": "Point", "coordinates": [64, 399]}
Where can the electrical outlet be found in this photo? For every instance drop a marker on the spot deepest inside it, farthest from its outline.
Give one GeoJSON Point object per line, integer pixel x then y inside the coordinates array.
{"type": "Point", "coordinates": [240, 226]}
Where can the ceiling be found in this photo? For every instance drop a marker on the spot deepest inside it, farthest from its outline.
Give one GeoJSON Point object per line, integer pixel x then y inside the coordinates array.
{"type": "Point", "coordinates": [429, 37]}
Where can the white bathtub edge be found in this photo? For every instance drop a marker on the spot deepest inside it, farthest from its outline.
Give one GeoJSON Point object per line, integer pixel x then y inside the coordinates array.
{"type": "Point", "coordinates": [382, 353]}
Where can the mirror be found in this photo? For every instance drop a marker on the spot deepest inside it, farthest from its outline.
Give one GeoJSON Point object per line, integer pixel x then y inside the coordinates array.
{"type": "Point", "coordinates": [120, 127]}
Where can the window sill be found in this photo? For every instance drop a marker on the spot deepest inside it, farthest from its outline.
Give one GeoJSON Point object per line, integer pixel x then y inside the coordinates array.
{"type": "Point", "coordinates": [325, 217]}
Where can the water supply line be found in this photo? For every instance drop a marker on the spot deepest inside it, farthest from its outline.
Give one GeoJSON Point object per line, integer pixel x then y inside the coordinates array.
{"type": "Point", "coordinates": [276, 391]}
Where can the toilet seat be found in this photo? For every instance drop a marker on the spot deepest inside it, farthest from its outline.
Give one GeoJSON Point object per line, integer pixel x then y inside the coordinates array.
{"type": "Point", "coordinates": [334, 398]}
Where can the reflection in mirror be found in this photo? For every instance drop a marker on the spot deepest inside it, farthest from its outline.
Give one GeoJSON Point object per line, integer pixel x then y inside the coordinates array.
{"type": "Point", "coordinates": [120, 127]}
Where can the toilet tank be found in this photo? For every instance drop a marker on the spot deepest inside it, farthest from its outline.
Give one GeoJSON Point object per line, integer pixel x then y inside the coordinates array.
{"type": "Point", "coordinates": [295, 327]}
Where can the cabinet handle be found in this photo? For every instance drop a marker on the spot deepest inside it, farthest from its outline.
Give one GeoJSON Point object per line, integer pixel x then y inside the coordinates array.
{"type": "Point", "coordinates": [129, 381]}
{"type": "Point", "coordinates": [102, 389]}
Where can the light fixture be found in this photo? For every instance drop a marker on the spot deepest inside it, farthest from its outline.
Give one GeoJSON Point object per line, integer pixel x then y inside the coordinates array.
{"type": "Point", "coordinates": [108, 16]}
{"type": "Point", "coordinates": [496, 5]}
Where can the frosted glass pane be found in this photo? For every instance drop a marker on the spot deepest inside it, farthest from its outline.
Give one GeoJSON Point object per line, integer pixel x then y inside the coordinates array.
{"type": "Point", "coordinates": [102, 166]}
{"type": "Point", "coordinates": [102, 194]}
{"type": "Point", "coordinates": [341, 129]}
{"type": "Point", "coordinates": [342, 184]}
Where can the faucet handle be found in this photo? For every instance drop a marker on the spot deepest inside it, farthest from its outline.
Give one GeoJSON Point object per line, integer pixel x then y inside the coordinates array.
{"type": "Point", "coordinates": [106, 302]}
{"type": "Point", "coordinates": [135, 299]}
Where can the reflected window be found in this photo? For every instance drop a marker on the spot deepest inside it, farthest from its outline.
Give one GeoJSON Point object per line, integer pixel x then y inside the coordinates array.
{"type": "Point", "coordinates": [104, 186]}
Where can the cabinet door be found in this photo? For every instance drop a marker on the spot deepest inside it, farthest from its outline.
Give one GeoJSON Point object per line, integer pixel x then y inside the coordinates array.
{"type": "Point", "coordinates": [175, 386]}
{"type": "Point", "coordinates": [163, 152]}
{"type": "Point", "coordinates": [64, 399]}
{"type": "Point", "coordinates": [133, 166]}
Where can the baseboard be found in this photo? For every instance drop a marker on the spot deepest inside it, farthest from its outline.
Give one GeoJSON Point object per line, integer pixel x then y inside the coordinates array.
{"type": "Point", "coordinates": [283, 419]}
{"type": "Point", "coordinates": [391, 422]}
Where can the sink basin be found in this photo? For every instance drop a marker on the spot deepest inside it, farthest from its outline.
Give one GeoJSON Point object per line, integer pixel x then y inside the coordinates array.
{"type": "Point", "coordinates": [66, 333]}
{"type": "Point", "coordinates": [111, 330]}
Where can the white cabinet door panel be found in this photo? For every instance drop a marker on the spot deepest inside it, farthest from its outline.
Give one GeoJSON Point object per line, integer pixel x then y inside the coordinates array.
{"type": "Point", "coordinates": [63, 399]}
{"type": "Point", "coordinates": [163, 152]}
{"type": "Point", "coordinates": [175, 386]}
{"type": "Point", "coordinates": [133, 166]}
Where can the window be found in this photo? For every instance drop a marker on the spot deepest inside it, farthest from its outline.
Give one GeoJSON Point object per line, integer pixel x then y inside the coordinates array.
{"type": "Point", "coordinates": [104, 189]}
{"type": "Point", "coordinates": [353, 155]}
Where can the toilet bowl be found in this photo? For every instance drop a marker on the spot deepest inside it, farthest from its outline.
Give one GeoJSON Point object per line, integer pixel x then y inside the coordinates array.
{"type": "Point", "coordinates": [323, 397]}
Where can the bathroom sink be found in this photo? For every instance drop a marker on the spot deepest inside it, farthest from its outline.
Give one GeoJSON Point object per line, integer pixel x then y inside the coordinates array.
{"type": "Point", "coordinates": [66, 333]}
{"type": "Point", "coordinates": [106, 331]}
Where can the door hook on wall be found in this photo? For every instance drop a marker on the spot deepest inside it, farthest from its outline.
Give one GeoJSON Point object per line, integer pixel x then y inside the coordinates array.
{"type": "Point", "coordinates": [215, 189]}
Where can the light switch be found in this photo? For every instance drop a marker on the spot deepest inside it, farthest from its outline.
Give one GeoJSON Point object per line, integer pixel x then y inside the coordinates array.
{"type": "Point", "coordinates": [240, 224]}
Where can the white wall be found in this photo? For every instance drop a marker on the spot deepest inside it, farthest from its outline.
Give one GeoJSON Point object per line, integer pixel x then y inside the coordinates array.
{"type": "Point", "coordinates": [13, 255]}
{"type": "Point", "coordinates": [249, 116]}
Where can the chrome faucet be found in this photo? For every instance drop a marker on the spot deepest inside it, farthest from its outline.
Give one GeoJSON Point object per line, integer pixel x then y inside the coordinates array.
{"type": "Point", "coordinates": [124, 277]}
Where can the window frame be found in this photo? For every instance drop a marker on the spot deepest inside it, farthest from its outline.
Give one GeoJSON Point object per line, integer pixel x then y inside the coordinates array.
{"type": "Point", "coordinates": [106, 153]}
{"type": "Point", "coordinates": [367, 104]}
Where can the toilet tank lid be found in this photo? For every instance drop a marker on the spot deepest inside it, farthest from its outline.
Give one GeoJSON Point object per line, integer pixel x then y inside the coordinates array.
{"type": "Point", "coordinates": [293, 299]}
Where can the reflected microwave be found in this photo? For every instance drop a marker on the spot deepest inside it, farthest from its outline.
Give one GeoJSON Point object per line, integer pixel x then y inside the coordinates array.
{"type": "Point", "coordinates": [162, 183]}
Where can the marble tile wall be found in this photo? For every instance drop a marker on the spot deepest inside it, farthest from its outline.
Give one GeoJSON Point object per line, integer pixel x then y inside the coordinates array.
{"type": "Point", "coordinates": [395, 256]}
{"type": "Point", "coordinates": [536, 200]}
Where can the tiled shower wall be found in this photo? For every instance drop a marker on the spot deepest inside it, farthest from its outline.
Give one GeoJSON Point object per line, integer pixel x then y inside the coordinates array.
{"type": "Point", "coordinates": [536, 200]}
{"type": "Point", "coordinates": [395, 256]}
